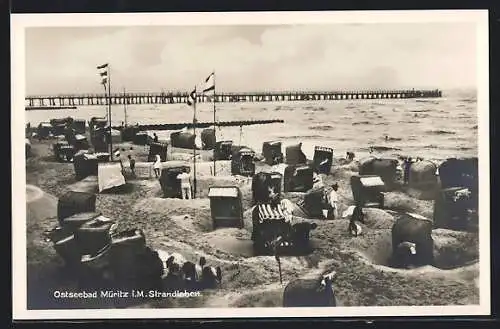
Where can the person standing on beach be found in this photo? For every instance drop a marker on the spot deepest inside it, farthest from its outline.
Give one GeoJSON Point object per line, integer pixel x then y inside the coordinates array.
{"type": "Point", "coordinates": [132, 165]}
{"type": "Point", "coordinates": [155, 138]}
{"type": "Point", "coordinates": [333, 199]}
{"type": "Point", "coordinates": [157, 166]}
{"type": "Point", "coordinates": [185, 179]}
{"type": "Point", "coordinates": [406, 172]}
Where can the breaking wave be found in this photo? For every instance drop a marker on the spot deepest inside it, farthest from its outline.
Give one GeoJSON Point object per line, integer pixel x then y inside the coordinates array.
{"type": "Point", "coordinates": [322, 127]}
{"type": "Point", "coordinates": [361, 123]}
{"type": "Point", "coordinates": [385, 148]}
{"type": "Point", "coordinates": [441, 132]}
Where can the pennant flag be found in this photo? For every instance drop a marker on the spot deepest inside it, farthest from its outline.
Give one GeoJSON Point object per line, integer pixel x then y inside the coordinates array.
{"type": "Point", "coordinates": [192, 98]}
{"type": "Point", "coordinates": [103, 72]}
{"type": "Point", "coordinates": [209, 84]}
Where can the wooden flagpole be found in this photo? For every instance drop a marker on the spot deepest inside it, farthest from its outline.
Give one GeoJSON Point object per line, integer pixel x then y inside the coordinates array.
{"type": "Point", "coordinates": [215, 129]}
{"type": "Point", "coordinates": [194, 146]}
{"type": "Point", "coordinates": [109, 109]}
{"type": "Point", "coordinates": [125, 105]}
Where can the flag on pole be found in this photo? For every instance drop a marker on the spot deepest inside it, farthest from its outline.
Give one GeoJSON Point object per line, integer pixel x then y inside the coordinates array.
{"type": "Point", "coordinates": [209, 84]}
{"type": "Point", "coordinates": [192, 98]}
{"type": "Point", "coordinates": [103, 72]}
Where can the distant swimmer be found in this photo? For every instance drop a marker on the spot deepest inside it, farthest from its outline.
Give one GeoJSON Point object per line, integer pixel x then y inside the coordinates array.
{"type": "Point", "coordinates": [386, 138]}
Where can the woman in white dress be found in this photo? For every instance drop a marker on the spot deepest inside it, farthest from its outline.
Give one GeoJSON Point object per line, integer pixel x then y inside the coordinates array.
{"type": "Point", "coordinates": [157, 166]}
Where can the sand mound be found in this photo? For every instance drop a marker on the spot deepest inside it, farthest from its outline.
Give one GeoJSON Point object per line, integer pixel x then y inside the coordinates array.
{"type": "Point", "coordinates": [232, 241]}
{"type": "Point", "coordinates": [375, 246]}
{"type": "Point", "coordinates": [33, 193]}
{"type": "Point", "coordinates": [271, 296]}
{"type": "Point", "coordinates": [39, 205]}
{"type": "Point", "coordinates": [454, 249]}
{"type": "Point", "coordinates": [378, 219]}
{"type": "Point", "coordinates": [429, 194]}
{"type": "Point", "coordinates": [191, 215]}
{"type": "Point", "coordinates": [401, 202]}
{"type": "Point", "coordinates": [203, 183]}
{"type": "Point", "coordinates": [89, 184]}
{"type": "Point", "coordinates": [451, 249]}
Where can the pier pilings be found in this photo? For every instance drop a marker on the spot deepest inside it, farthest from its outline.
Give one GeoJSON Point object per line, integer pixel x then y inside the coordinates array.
{"type": "Point", "coordinates": [181, 97]}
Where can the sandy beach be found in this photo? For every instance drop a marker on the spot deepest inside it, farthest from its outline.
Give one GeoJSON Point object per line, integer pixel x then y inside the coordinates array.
{"type": "Point", "coordinates": [185, 226]}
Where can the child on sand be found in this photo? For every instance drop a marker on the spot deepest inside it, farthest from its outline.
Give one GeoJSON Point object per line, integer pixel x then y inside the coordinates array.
{"type": "Point", "coordinates": [333, 199]}
{"type": "Point", "coordinates": [157, 166]}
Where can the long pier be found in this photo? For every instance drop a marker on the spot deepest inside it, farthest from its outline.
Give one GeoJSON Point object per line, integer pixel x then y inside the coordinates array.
{"type": "Point", "coordinates": [58, 101]}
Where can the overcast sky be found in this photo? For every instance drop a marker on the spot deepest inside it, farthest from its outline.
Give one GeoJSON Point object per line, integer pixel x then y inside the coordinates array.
{"type": "Point", "coordinates": [321, 57]}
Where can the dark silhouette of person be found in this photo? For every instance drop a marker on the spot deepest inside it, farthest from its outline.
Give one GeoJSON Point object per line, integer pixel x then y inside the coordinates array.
{"type": "Point", "coordinates": [406, 172]}
{"type": "Point", "coordinates": [155, 138]}
{"type": "Point", "coordinates": [132, 164]}
{"type": "Point", "coordinates": [358, 215]}
{"type": "Point", "coordinates": [353, 227]}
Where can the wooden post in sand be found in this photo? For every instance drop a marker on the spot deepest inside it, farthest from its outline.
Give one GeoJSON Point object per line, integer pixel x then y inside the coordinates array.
{"type": "Point", "coordinates": [109, 109]}
{"type": "Point", "coordinates": [274, 245]}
